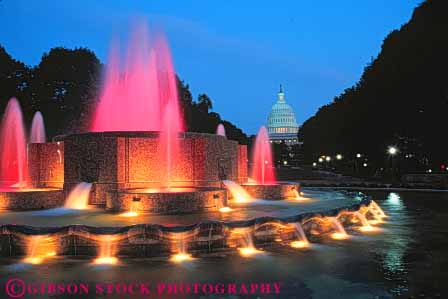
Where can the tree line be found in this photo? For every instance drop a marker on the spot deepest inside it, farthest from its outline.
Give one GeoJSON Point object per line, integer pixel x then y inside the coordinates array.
{"type": "Point", "coordinates": [400, 100]}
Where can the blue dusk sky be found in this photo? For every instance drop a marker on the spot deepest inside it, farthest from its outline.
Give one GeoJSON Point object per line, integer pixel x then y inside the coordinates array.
{"type": "Point", "coordinates": [238, 52]}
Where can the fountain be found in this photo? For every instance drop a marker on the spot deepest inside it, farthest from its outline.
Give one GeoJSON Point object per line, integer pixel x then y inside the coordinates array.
{"type": "Point", "coordinates": [106, 251]}
{"type": "Point", "coordinates": [180, 246]}
{"type": "Point", "coordinates": [238, 193]}
{"type": "Point", "coordinates": [78, 199]}
{"type": "Point", "coordinates": [303, 240]}
{"type": "Point", "coordinates": [136, 158]}
{"type": "Point", "coordinates": [220, 130]}
{"type": "Point", "coordinates": [264, 183]}
{"type": "Point", "coordinates": [14, 168]}
{"type": "Point", "coordinates": [39, 247]}
{"type": "Point", "coordinates": [340, 233]}
{"type": "Point", "coordinates": [15, 185]}
{"type": "Point", "coordinates": [262, 167]}
{"type": "Point", "coordinates": [37, 129]}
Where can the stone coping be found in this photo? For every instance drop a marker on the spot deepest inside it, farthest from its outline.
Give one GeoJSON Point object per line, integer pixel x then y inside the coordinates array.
{"type": "Point", "coordinates": [33, 230]}
{"type": "Point", "coordinates": [142, 134]}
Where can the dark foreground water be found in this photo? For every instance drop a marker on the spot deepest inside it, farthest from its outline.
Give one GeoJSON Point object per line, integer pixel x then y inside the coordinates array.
{"type": "Point", "coordinates": [408, 258]}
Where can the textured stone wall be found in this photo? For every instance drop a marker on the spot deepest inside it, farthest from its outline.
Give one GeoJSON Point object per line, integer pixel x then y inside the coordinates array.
{"type": "Point", "coordinates": [46, 164]}
{"type": "Point", "coordinates": [122, 160]}
{"type": "Point", "coordinates": [167, 203]}
{"type": "Point", "coordinates": [242, 164]}
{"type": "Point", "coordinates": [273, 192]}
{"type": "Point", "coordinates": [31, 200]}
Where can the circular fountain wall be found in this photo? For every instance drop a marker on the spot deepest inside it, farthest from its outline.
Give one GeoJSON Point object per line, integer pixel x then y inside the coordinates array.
{"type": "Point", "coordinates": [281, 190]}
{"type": "Point", "coordinates": [167, 201]}
{"type": "Point", "coordinates": [31, 199]}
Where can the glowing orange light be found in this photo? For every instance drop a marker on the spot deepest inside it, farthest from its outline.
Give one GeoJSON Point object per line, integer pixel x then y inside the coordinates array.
{"type": "Point", "coordinates": [181, 257]}
{"type": "Point", "coordinates": [299, 244]}
{"type": "Point", "coordinates": [106, 260]}
{"type": "Point", "coordinates": [33, 260]}
{"type": "Point", "coordinates": [248, 251]}
{"type": "Point", "coordinates": [339, 236]}
{"type": "Point", "coordinates": [367, 228]}
{"type": "Point", "coordinates": [129, 214]}
{"type": "Point", "coordinates": [225, 209]}
{"type": "Point", "coordinates": [375, 222]}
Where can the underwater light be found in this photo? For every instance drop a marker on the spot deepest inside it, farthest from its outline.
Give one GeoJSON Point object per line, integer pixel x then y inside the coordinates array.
{"type": "Point", "coordinates": [181, 257]}
{"type": "Point", "coordinates": [299, 244]}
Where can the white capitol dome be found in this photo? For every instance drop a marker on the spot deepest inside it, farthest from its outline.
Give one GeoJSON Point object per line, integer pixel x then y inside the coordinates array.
{"type": "Point", "coordinates": [282, 124]}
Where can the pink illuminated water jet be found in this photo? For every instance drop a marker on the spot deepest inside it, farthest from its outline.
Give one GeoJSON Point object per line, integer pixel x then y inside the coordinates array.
{"type": "Point", "coordinates": [137, 90]}
{"type": "Point", "coordinates": [262, 167]}
{"type": "Point", "coordinates": [37, 134]}
{"type": "Point", "coordinates": [140, 94]}
{"type": "Point", "coordinates": [221, 130]}
{"type": "Point", "coordinates": [14, 168]}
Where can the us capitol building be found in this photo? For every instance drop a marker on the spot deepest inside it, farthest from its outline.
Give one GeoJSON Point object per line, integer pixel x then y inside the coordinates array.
{"type": "Point", "coordinates": [282, 124]}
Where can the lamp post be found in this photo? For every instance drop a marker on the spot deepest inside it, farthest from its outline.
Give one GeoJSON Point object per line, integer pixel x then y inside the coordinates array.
{"type": "Point", "coordinates": [392, 151]}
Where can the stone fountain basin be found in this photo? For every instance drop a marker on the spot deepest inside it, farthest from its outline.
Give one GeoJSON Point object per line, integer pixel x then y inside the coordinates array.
{"type": "Point", "coordinates": [150, 240]}
{"type": "Point", "coordinates": [177, 200]}
{"type": "Point", "coordinates": [31, 198]}
{"type": "Point", "coordinates": [279, 191]}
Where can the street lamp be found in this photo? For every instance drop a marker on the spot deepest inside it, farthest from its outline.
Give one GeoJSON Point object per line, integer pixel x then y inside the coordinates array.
{"type": "Point", "coordinates": [339, 157]}
{"type": "Point", "coordinates": [358, 155]}
{"type": "Point", "coordinates": [321, 160]}
{"type": "Point", "coordinates": [328, 159]}
{"type": "Point", "coordinates": [392, 150]}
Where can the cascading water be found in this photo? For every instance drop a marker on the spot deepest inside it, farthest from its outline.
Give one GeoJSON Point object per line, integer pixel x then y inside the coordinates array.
{"type": "Point", "coordinates": [39, 247]}
{"type": "Point", "coordinates": [78, 199]}
{"type": "Point", "coordinates": [141, 94]}
{"type": "Point", "coordinates": [106, 250]}
{"type": "Point", "coordinates": [181, 246]}
{"type": "Point", "coordinates": [238, 192]}
{"type": "Point", "coordinates": [303, 240]}
{"type": "Point", "coordinates": [340, 233]}
{"type": "Point", "coordinates": [14, 168]}
{"type": "Point", "coordinates": [247, 241]}
{"type": "Point", "coordinates": [262, 167]}
{"type": "Point", "coordinates": [37, 134]}
{"type": "Point", "coordinates": [220, 130]}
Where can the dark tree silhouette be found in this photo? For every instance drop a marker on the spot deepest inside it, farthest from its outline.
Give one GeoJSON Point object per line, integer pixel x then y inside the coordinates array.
{"type": "Point", "coordinates": [401, 98]}
{"type": "Point", "coordinates": [65, 86]}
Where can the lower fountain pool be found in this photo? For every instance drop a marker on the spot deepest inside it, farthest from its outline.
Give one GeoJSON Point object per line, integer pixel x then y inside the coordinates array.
{"type": "Point", "coordinates": [403, 260]}
{"type": "Point", "coordinates": [313, 201]}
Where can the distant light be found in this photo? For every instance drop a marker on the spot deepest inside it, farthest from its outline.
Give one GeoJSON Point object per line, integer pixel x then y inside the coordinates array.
{"type": "Point", "coordinates": [321, 160]}
{"type": "Point", "coordinates": [315, 164]}
{"type": "Point", "coordinates": [339, 157]}
{"type": "Point", "coordinates": [392, 150]}
{"type": "Point", "coordinates": [365, 164]}
{"type": "Point", "coordinates": [394, 198]}
{"type": "Point", "coordinates": [328, 159]}
{"type": "Point", "coordinates": [285, 162]}
{"type": "Point", "coordinates": [358, 155]}
{"type": "Point", "coordinates": [429, 170]}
